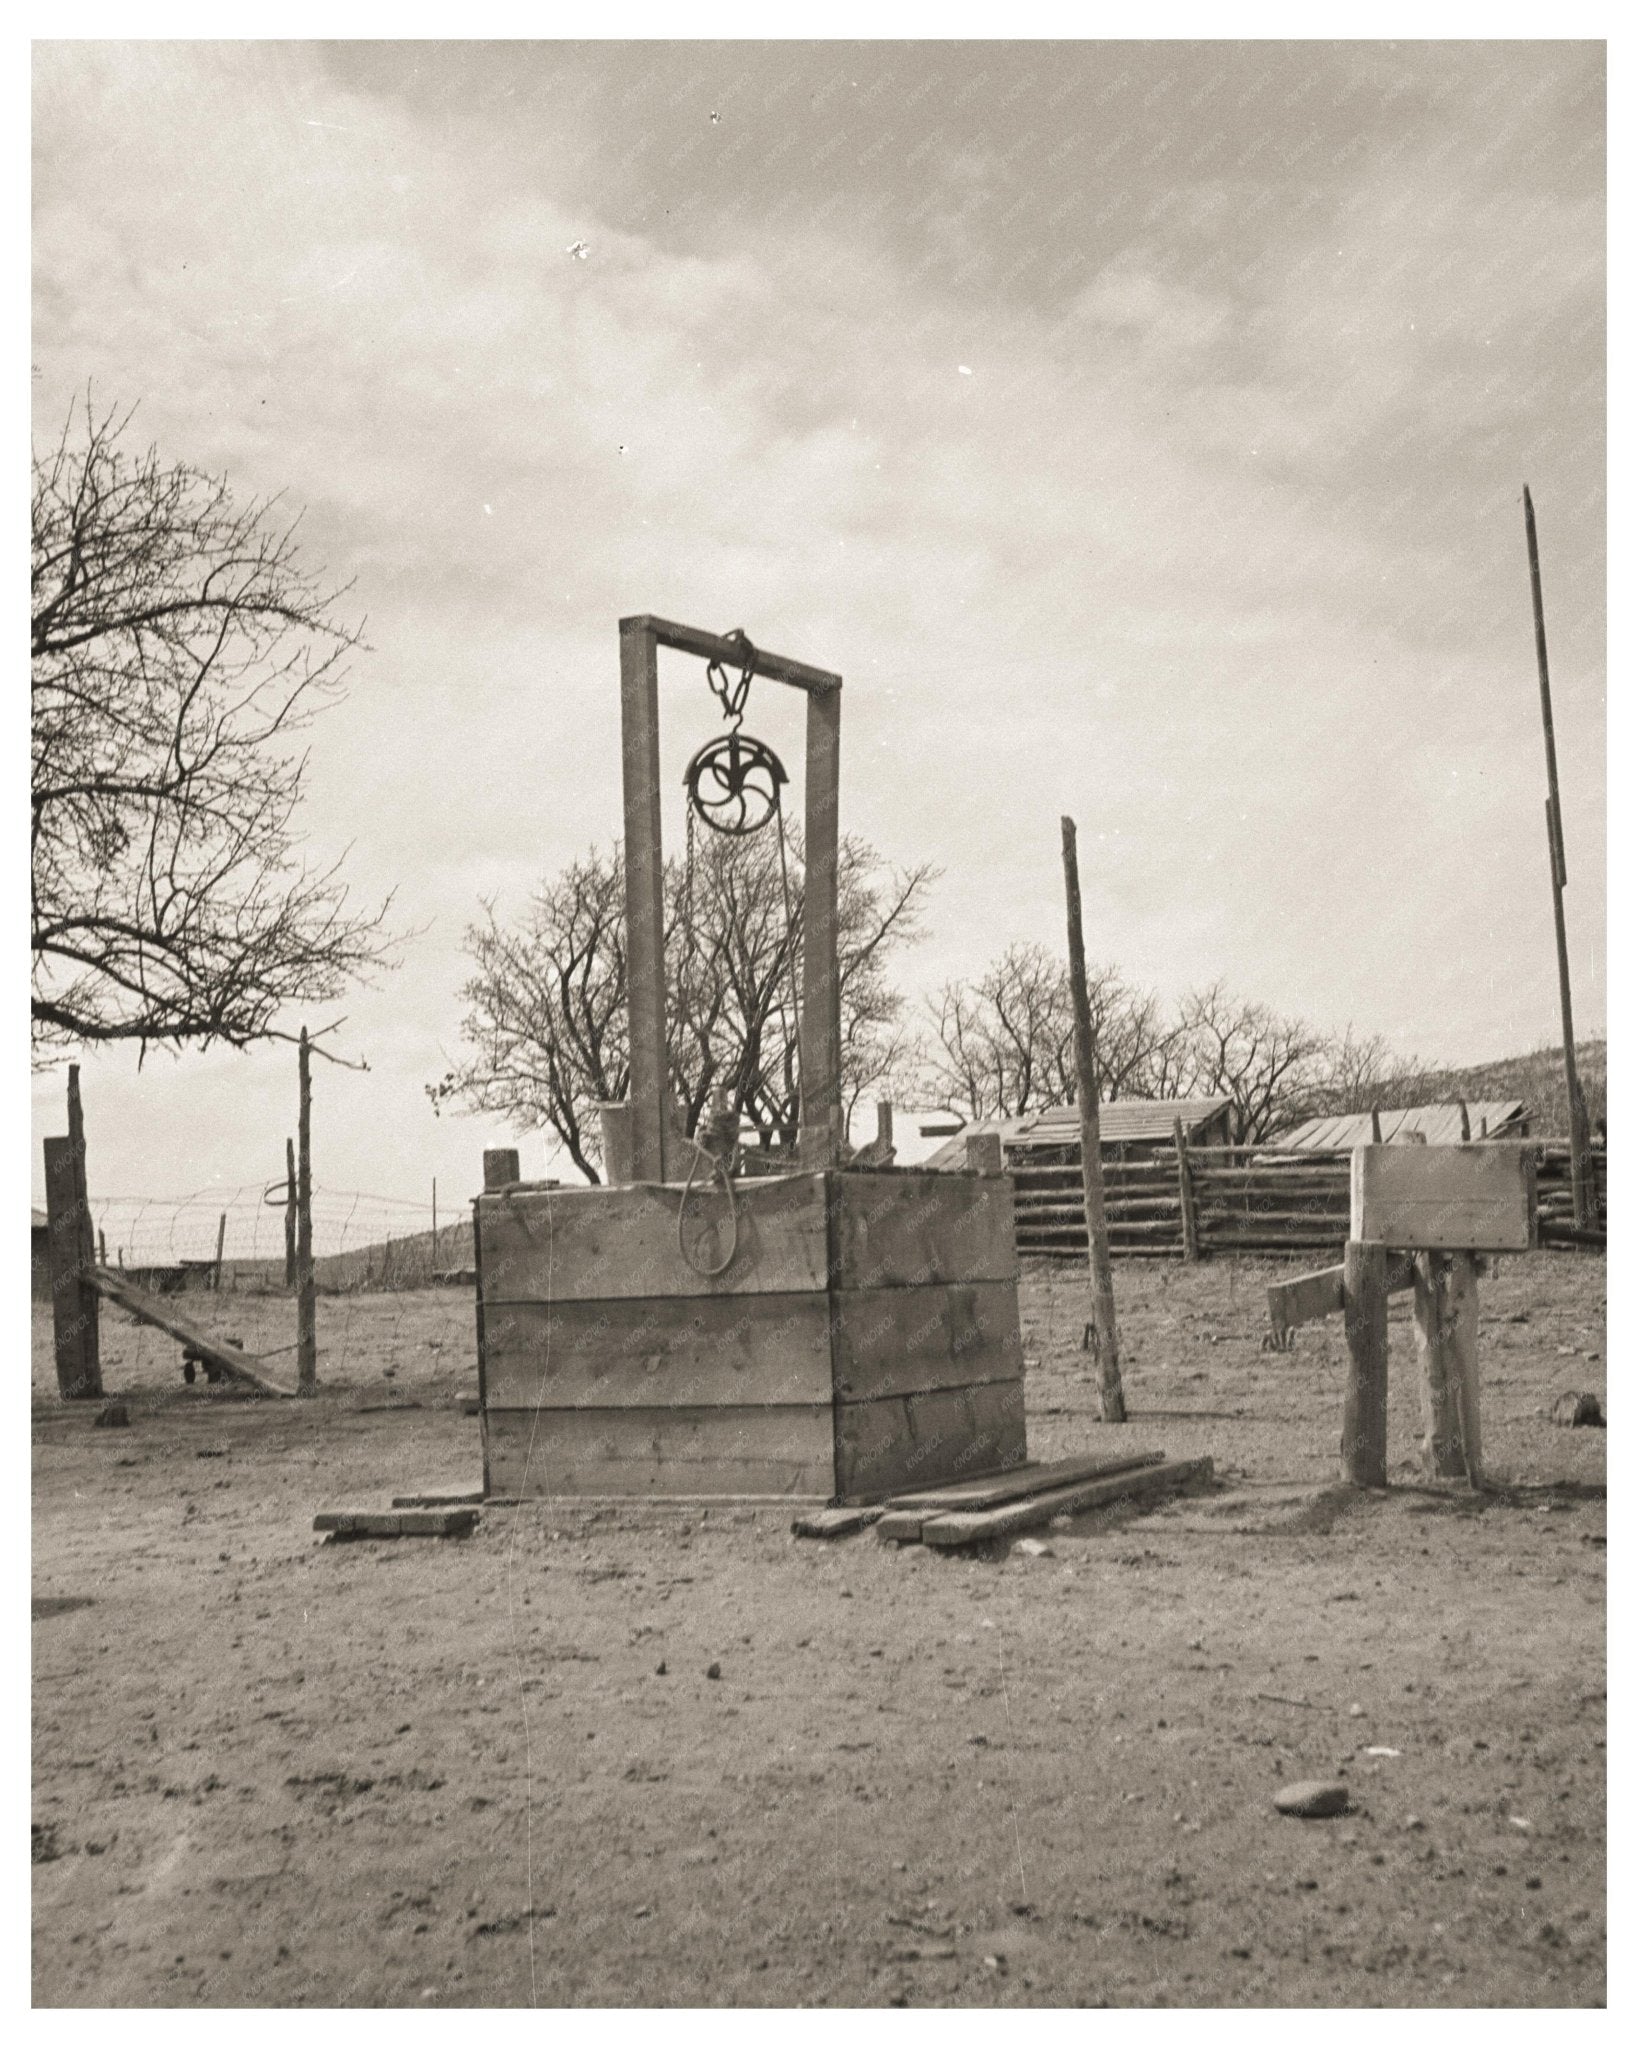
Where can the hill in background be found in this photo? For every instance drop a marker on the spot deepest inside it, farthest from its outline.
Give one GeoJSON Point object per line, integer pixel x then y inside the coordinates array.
{"type": "Point", "coordinates": [1536, 1078]}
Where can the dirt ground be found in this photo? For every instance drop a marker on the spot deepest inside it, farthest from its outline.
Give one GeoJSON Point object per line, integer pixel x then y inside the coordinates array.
{"type": "Point", "coordinates": [275, 1770]}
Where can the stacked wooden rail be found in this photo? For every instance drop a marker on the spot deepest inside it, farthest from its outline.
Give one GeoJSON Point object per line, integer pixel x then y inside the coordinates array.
{"type": "Point", "coordinates": [1231, 1198]}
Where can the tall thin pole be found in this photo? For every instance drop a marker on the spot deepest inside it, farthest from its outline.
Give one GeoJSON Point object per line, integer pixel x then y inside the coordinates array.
{"type": "Point", "coordinates": [290, 1213]}
{"type": "Point", "coordinates": [1555, 858]}
{"type": "Point", "coordinates": [1111, 1396]}
{"type": "Point", "coordinates": [306, 1300]}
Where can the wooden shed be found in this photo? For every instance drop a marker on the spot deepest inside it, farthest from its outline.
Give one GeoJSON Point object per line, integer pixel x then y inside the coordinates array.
{"type": "Point", "coordinates": [1437, 1123]}
{"type": "Point", "coordinates": [1127, 1129]}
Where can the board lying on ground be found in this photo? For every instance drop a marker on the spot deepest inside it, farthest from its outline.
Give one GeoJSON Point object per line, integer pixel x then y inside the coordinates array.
{"type": "Point", "coordinates": [349, 1522]}
{"type": "Point", "coordinates": [1141, 1475]}
{"type": "Point", "coordinates": [159, 1315]}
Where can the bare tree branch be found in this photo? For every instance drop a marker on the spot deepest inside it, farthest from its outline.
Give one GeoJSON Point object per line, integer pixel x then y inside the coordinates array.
{"type": "Point", "coordinates": [546, 1020]}
{"type": "Point", "coordinates": [178, 642]}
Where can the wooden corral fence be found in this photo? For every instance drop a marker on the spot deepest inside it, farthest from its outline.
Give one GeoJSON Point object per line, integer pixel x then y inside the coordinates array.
{"type": "Point", "coordinates": [1237, 1198]}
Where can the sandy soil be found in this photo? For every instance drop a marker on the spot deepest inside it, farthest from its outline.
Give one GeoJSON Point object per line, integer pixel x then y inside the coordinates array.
{"type": "Point", "coordinates": [274, 1770]}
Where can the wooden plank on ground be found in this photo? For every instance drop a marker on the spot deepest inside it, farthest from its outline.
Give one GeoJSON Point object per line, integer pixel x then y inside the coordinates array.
{"type": "Point", "coordinates": [830, 1522]}
{"type": "Point", "coordinates": [660, 1453]}
{"type": "Point", "coordinates": [437, 1500]}
{"type": "Point", "coordinates": [617, 1244]}
{"type": "Point", "coordinates": [1477, 1198]}
{"type": "Point", "coordinates": [915, 1229]}
{"type": "Point", "coordinates": [686, 1351]}
{"type": "Point", "coordinates": [351, 1522]}
{"type": "Point", "coordinates": [1028, 1479]}
{"type": "Point", "coordinates": [159, 1315]}
{"type": "Point", "coordinates": [911, 1340]}
{"type": "Point", "coordinates": [922, 1440]}
{"type": "Point", "coordinates": [948, 1532]}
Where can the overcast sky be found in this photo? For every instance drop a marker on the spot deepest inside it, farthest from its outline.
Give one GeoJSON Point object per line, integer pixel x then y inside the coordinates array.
{"type": "Point", "coordinates": [1139, 430]}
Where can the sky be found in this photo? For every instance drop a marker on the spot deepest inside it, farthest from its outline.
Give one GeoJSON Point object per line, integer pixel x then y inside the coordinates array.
{"type": "Point", "coordinates": [1137, 428]}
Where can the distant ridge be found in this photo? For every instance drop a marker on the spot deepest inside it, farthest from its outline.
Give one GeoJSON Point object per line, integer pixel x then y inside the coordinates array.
{"type": "Point", "coordinates": [1535, 1077]}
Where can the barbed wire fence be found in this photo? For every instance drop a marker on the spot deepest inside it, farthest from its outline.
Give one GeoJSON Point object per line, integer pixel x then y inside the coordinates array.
{"type": "Point", "coordinates": [393, 1278]}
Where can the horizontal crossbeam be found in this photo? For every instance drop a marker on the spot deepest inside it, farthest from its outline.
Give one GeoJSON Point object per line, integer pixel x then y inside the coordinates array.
{"type": "Point", "coordinates": [776, 668]}
{"type": "Point", "coordinates": [1312, 1296]}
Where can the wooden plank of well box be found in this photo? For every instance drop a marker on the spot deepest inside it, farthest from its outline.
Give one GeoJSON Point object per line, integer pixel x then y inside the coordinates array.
{"type": "Point", "coordinates": [911, 1340]}
{"type": "Point", "coordinates": [689, 1351]}
{"type": "Point", "coordinates": [884, 1447]}
{"type": "Point", "coordinates": [917, 1229]}
{"type": "Point", "coordinates": [614, 1244]}
{"type": "Point", "coordinates": [655, 1453]}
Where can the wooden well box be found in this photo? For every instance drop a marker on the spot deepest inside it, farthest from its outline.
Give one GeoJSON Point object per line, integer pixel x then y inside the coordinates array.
{"type": "Point", "coordinates": [865, 1339]}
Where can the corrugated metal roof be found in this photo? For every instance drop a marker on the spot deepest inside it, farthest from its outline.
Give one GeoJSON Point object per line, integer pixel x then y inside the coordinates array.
{"type": "Point", "coordinates": [1129, 1122]}
{"type": "Point", "coordinates": [1439, 1122]}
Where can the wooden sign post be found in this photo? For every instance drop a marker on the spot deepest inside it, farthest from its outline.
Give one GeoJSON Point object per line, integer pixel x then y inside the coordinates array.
{"type": "Point", "coordinates": [1422, 1214]}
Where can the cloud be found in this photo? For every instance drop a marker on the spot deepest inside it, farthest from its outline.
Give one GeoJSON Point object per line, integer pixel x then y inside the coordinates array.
{"type": "Point", "coordinates": [1222, 522]}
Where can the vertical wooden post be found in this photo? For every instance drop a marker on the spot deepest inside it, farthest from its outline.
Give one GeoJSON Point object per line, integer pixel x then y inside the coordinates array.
{"type": "Point", "coordinates": [616, 1121]}
{"type": "Point", "coordinates": [821, 1026]}
{"type": "Point", "coordinates": [306, 1294]}
{"type": "Point", "coordinates": [1106, 1335]}
{"type": "Point", "coordinates": [984, 1153]}
{"type": "Point", "coordinates": [1464, 1357]}
{"type": "Point", "coordinates": [434, 1219]}
{"type": "Point", "coordinates": [289, 1212]}
{"type": "Point", "coordinates": [90, 1300]}
{"type": "Point", "coordinates": [221, 1239]}
{"type": "Point", "coordinates": [1185, 1192]}
{"type": "Point", "coordinates": [501, 1169]}
{"type": "Point", "coordinates": [1365, 1401]}
{"type": "Point", "coordinates": [102, 1248]}
{"type": "Point", "coordinates": [74, 1333]}
{"type": "Point", "coordinates": [1376, 1127]}
{"type": "Point", "coordinates": [1447, 1342]}
{"type": "Point", "coordinates": [884, 1125]}
{"type": "Point", "coordinates": [1579, 1135]}
{"type": "Point", "coordinates": [645, 905]}
{"type": "Point", "coordinates": [1467, 1126]}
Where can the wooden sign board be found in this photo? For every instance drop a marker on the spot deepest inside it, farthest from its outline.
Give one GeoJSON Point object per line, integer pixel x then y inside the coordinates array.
{"type": "Point", "coordinates": [1444, 1198]}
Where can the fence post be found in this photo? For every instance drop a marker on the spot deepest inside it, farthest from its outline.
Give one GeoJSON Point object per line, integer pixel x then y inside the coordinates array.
{"type": "Point", "coordinates": [1111, 1394]}
{"type": "Point", "coordinates": [306, 1297]}
{"type": "Point", "coordinates": [1365, 1401]}
{"type": "Point", "coordinates": [90, 1301]}
{"type": "Point", "coordinates": [221, 1237]}
{"type": "Point", "coordinates": [1446, 1309]}
{"type": "Point", "coordinates": [1185, 1192]}
{"type": "Point", "coordinates": [74, 1331]}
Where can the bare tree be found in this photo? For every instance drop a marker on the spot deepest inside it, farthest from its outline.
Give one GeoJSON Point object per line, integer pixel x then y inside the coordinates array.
{"type": "Point", "coordinates": [546, 1019]}
{"type": "Point", "coordinates": [1266, 1064]}
{"type": "Point", "coordinates": [1354, 1074]}
{"type": "Point", "coordinates": [1005, 1044]}
{"type": "Point", "coordinates": [179, 644]}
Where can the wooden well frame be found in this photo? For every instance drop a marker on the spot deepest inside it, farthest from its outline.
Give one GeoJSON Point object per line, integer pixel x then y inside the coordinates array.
{"type": "Point", "coordinates": [863, 1337]}
{"type": "Point", "coordinates": [653, 1146]}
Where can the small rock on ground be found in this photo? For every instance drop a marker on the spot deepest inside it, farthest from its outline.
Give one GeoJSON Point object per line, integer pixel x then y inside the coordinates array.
{"type": "Point", "coordinates": [1313, 1799]}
